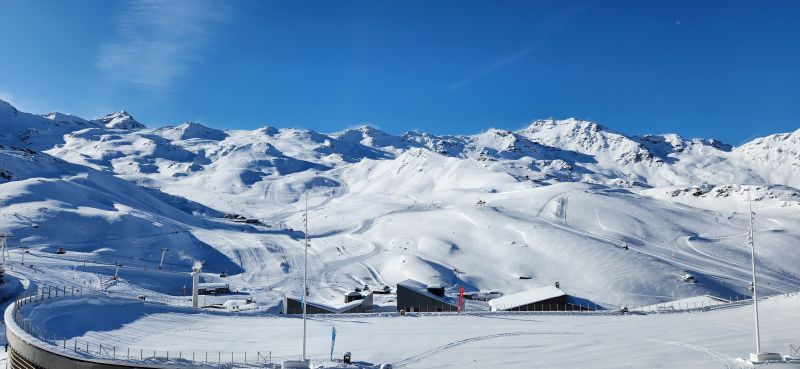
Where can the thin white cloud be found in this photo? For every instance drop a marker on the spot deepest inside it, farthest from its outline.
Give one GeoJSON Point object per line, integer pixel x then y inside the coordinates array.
{"type": "Point", "coordinates": [157, 41]}
{"type": "Point", "coordinates": [555, 23]}
{"type": "Point", "coordinates": [498, 64]}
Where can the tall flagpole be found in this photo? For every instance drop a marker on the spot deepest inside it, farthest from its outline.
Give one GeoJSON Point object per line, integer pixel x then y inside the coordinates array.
{"type": "Point", "coordinates": [753, 250]}
{"type": "Point", "coordinates": [305, 276]}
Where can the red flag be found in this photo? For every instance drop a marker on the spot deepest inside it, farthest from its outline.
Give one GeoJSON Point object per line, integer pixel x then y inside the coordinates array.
{"type": "Point", "coordinates": [461, 299]}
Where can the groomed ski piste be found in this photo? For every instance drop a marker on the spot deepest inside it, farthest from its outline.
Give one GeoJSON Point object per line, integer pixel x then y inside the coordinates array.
{"type": "Point", "coordinates": [617, 220]}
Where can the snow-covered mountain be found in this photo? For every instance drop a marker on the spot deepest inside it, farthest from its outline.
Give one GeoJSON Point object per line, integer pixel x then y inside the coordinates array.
{"type": "Point", "coordinates": [119, 120]}
{"type": "Point", "coordinates": [499, 209]}
{"type": "Point", "coordinates": [44, 131]}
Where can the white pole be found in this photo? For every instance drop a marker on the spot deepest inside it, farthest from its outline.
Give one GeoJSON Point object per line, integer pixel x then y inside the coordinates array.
{"type": "Point", "coordinates": [305, 276]}
{"type": "Point", "coordinates": [755, 293]}
{"type": "Point", "coordinates": [195, 283]}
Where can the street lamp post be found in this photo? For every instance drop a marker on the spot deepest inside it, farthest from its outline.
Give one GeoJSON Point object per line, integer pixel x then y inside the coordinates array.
{"type": "Point", "coordinates": [758, 356]}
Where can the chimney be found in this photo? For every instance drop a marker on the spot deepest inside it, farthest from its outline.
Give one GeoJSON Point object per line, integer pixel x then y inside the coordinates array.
{"type": "Point", "coordinates": [195, 282]}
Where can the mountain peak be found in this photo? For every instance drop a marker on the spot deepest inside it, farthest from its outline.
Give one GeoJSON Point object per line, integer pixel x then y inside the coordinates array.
{"type": "Point", "coordinates": [7, 108]}
{"type": "Point", "coordinates": [370, 136]}
{"type": "Point", "coordinates": [62, 118]}
{"type": "Point", "coordinates": [120, 120]}
{"type": "Point", "coordinates": [780, 147]}
{"type": "Point", "coordinates": [194, 130]}
{"type": "Point", "coordinates": [572, 124]}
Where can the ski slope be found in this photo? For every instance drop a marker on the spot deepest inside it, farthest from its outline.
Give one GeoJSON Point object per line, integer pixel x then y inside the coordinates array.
{"type": "Point", "coordinates": [499, 210]}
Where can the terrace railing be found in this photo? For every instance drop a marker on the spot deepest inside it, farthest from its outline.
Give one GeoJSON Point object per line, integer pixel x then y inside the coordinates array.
{"type": "Point", "coordinates": [89, 349]}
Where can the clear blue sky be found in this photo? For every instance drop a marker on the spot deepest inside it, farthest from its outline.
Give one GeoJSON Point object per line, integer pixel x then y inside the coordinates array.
{"type": "Point", "coordinates": [723, 69]}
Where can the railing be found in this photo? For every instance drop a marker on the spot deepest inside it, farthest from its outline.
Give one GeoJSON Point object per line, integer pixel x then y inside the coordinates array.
{"type": "Point", "coordinates": [87, 349]}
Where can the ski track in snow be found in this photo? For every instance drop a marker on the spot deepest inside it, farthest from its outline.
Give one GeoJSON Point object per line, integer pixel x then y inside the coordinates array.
{"type": "Point", "coordinates": [427, 354]}
{"type": "Point", "coordinates": [723, 360]}
{"type": "Point", "coordinates": [697, 261]}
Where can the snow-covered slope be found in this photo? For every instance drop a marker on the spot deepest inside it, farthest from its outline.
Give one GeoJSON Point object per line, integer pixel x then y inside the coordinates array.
{"type": "Point", "coordinates": [778, 148]}
{"type": "Point", "coordinates": [503, 210]}
{"type": "Point", "coordinates": [51, 204]}
{"type": "Point", "coordinates": [47, 130]}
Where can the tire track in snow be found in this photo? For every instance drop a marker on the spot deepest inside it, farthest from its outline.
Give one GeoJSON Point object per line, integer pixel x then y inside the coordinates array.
{"type": "Point", "coordinates": [717, 356]}
{"type": "Point", "coordinates": [724, 360]}
{"type": "Point", "coordinates": [417, 358]}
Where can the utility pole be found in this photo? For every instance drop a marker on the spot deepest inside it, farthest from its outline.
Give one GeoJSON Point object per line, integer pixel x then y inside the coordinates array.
{"type": "Point", "coordinates": [24, 251]}
{"type": "Point", "coordinates": [161, 264]}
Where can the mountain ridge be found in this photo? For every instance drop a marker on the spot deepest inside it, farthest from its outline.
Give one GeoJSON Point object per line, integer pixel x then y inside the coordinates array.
{"type": "Point", "coordinates": [546, 151]}
{"type": "Point", "coordinates": [499, 209]}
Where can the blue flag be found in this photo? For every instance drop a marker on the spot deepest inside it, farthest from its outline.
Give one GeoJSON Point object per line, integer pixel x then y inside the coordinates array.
{"type": "Point", "coordinates": [333, 340]}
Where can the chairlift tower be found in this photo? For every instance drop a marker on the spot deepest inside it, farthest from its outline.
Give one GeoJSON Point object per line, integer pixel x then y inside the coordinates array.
{"type": "Point", "coordinates": [4, 236]}
{"type": "Point", "coordinates": [116, 271]}
{"type": "Point", "coordinates": [163, 252]}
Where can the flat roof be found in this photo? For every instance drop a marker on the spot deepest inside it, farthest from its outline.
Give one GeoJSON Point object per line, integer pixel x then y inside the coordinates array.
{"type": "Point", "coordinates": [212, 285]}
{"type": "Point", "coordinates": [526, 297]}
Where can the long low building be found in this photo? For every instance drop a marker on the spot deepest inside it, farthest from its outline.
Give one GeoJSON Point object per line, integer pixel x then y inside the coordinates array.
{"type": "Point", "coordinates": [415, 296]}
{"type": "Point", "coordinates": [293, 305]}
{"type": "Point", "coordinates": [547, 298]}
{"type": "Point", "coordinates": [213, 288]}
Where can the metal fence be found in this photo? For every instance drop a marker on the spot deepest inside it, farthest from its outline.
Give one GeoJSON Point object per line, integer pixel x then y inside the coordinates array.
{"type": "Point", "coordinates": [82, 348]}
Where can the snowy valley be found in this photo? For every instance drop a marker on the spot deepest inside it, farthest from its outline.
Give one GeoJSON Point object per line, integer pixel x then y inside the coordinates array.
{"type": "Point", "coordinates": [617, 220]}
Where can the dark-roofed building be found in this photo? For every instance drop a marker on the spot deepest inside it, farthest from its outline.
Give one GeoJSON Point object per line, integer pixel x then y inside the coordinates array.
{"type": "Point", "coordinates": [547, 298]}
{"type": "Point", "coordinates": [213, 288]}
{"type": "Point", "coordinates": [415, 296]}
{"type": "Point", "coordinates": [295, 306]}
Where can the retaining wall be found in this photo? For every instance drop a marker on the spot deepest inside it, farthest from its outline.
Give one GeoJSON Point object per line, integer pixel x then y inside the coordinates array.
{"type": "Point", "coordinates": [28, 352]}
